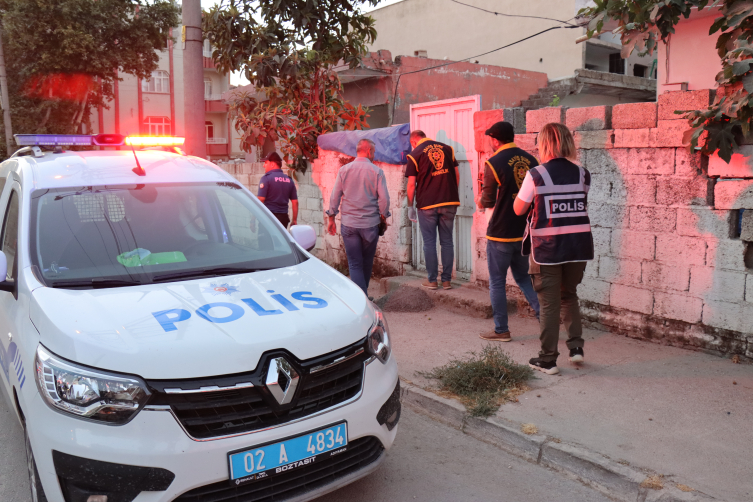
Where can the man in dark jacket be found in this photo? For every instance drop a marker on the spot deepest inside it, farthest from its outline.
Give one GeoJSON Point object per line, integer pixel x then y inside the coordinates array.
{"type": "Point", "coordinates": [433, 178]}
{"type": "Point", "coordinates": [276, 189]}
{"type": "Point", "coordinates": [503, 174]}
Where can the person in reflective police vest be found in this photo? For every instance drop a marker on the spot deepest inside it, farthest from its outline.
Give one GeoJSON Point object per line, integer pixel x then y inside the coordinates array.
{"type": "Point", "coordinates": [558, 239]}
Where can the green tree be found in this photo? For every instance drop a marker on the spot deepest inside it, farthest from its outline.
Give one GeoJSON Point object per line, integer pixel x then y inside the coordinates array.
{"type": "Point", "coordinates": [62, 55]}
{"type": "Point", "coordinates": [642, 23]}
{"type": "Point", "coordinates": [288, 50]}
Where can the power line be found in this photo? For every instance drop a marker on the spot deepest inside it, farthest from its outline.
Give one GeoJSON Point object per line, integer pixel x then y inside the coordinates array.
{"type": "Point", "coordinates": [397, 83]}
{"type": "Point", "coordinates": [514, 15]}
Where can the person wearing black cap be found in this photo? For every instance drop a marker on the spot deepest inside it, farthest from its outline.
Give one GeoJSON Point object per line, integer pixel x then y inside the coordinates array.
{"type": "Point", "coordinates": [276, 189]}
{"type": "Point", "coordinates": [504, 173]}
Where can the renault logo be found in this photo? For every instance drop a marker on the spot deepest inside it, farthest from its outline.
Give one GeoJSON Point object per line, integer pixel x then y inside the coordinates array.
{"type": "Point", "coordinates": [282, 380]}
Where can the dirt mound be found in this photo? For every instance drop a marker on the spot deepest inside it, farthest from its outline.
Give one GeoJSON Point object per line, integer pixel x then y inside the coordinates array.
{"type": "Point", "coordinates": [406, 299]}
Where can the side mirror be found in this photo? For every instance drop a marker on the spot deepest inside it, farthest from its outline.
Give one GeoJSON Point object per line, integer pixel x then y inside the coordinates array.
{"type": "Point", "coordinates": [304, 235]}
{"type": "Point", "coordinates": [5, 285]}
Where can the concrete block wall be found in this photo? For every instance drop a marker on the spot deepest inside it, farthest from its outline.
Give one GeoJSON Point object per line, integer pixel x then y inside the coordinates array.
{"type": "Point", "coordinates": [671, 257]}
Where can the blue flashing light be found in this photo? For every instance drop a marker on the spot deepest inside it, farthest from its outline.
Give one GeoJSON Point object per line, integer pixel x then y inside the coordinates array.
{"type": "Point", "coordinates": [53, 139]}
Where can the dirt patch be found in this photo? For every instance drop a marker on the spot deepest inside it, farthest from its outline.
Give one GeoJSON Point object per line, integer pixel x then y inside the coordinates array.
{"type": "Point", "coordinates": [406, 299]}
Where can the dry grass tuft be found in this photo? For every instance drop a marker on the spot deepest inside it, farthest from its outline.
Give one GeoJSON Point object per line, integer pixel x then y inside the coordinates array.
{"type": "Point", "coordinates": [653, 482]}
{"type": "Point", "coordinates": [684, 488]}
{"type": "Point", "coordinates": [529, 429]}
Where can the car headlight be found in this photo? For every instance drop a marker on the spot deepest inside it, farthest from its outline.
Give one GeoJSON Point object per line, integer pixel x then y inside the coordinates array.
{"type": "Point", "coordinates": [88, 393]}
{"type": "Point", "coordinates": [378, 341]}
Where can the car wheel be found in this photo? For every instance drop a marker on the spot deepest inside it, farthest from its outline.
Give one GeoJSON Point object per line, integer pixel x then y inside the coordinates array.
{"type": "Point", "coordinates": [37, 492]}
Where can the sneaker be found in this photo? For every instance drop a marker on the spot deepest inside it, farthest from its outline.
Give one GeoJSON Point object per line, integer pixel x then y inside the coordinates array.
{"type": "Point", "coordinates": [576, 355]}
{"type": "Point", "coordinates": [496, 337]}
{"type": "Point", "coordinates": [446, 285]}
{"type": "Point", "coordinates": [548, 367]}
{"type": "Point", "coordinates": [430, 285]}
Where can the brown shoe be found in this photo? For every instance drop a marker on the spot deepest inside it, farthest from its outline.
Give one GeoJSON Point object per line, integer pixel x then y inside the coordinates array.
{"type": "Point", "coordinates": [446, 285]}
{"type": "Point", "coordinates": [496, 337]}
{"type": "Point", "coordinates": [430, 285]}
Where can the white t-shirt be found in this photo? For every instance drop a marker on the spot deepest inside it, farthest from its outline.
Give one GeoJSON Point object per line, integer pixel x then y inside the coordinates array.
{"type": "Point", "coordinates": [526, 189]}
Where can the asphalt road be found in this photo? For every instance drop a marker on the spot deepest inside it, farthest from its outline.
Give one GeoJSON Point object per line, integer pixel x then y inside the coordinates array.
{"type": "Point", "coordinates": [429, 462]}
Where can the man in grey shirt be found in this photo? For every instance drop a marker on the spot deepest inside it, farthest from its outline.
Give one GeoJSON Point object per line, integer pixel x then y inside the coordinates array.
{"type": "Point", "coordinates": [360, 191]}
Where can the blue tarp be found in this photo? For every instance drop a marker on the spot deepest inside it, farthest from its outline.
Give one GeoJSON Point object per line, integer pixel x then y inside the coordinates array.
{"type": "Point", "coordinates": [392, 143]}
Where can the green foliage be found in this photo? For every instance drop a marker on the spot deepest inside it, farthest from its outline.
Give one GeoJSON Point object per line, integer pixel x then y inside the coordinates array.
{"type": "Point", "coordinates": [288, 50]}
{"type": "Point", "coordinates": [642, 23]}
{"type": "Point", "coordinates": [482, 381]}
{"type": "Point", "coordinates": [555, 101]}
{"type": "Point", "coordinates": [62, 55]}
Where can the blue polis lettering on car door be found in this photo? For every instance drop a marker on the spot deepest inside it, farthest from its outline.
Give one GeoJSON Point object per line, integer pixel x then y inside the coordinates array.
{"type": "Point", "coordinates": [168, 318]}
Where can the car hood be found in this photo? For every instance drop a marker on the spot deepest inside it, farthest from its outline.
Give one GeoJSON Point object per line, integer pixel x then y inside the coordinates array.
{"type": "Point", "coordinates": [204, 327]}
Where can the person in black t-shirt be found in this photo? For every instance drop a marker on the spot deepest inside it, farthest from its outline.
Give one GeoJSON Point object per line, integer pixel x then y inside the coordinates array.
{"type": "Point", "coordinates": [276, 189]}
{"type": "Point", "coordinates": [433, 177]}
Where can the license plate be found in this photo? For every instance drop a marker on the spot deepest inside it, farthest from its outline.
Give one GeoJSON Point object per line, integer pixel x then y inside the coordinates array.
{"type": "Point", "coordinates": [267, 460]}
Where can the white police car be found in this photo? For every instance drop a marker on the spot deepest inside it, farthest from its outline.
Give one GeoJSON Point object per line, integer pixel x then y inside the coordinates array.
{"type": "Point", "coordinates": [162, 337]}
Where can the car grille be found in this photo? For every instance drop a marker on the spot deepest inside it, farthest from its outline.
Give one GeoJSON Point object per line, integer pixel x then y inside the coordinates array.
{"type": "Point", "coordinates": [360, 453]}
{"type": "Point", "coordinates": [324, 382]}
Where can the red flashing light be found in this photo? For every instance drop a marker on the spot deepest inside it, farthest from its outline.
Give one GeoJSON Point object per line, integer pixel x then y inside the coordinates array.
{"type": "Point", "coordinates": [154, 141]}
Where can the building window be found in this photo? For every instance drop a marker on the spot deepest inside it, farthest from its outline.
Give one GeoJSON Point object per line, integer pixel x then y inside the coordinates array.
{"type": "Point", "coordinates": [640, 70]}
{"type": "Point", "coordinates": [157, 126]}
{"type": "Point", "coordinates": [616, 63]}
{"type": "Point", "coordinates": [207, 88]}
{"type": "Point", "coordinates": [160, 82]}
{"type": "Point", "coordinates": [209, 126]}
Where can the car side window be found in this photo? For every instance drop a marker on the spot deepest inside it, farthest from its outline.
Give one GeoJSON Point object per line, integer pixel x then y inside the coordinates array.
{"type": "Point", "coordinates": [10, 235]}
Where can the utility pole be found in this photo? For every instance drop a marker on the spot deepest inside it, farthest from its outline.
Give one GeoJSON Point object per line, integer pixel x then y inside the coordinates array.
{"type": "Point", "coordinates": [5, 100]}
{"type": "Point", "coordinates": [193, 79]}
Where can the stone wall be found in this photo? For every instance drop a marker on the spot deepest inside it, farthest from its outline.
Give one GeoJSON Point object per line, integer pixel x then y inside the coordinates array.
{"type": "Point", "coordinates": [671, 253]}
{"type": "Point", "coordinates": [314, 190]}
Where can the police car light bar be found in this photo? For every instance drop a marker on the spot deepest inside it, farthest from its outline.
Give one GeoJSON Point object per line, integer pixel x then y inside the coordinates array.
{"type": "Point", "coordinates": [154, 141]}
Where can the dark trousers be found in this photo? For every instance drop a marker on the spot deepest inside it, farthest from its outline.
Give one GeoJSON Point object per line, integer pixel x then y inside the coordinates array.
{"type": "Point", "coordinates": [432, 221]}
{"type": "Point", "coordinates": [284, 218]}
{"type": "Point", "coordinates": [557, 286]}
{"type": "Point", "coordinates": [360, 248]}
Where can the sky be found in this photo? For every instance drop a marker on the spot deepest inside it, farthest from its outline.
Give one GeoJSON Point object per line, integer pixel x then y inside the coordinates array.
{"type": "Point", "coordinates": [237, 78]}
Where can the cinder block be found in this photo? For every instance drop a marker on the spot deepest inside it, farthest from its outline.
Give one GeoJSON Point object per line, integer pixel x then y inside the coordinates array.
{"type": "Point", "coordinates": [617, 270]}
{"type": "Point", "coordinates": [663, 276]}
{"type": "Point", "coordinates": [660, 161]}
{"type": "Point", "coordinates": [592, 268]}
{"type": "Point", "coordinates": [632, 190]}
{"type": "Point", "coordinates": [672, 101]}
{"type": "Point", "coordinates": [634, 115]}
{"type": "Point", "coordinates": [678, 306]}
{"type": "Point", "coordinates": [517, 117]}
{"type": "Point", "coordinates": [482, 121]}
{"type": "Point", "coordinates": [605, 161]}
{"type": "Point", "coordinates": [726, 315]}
{"type": "Point", "coordinates": [669, 133]}
{"type": "Point", "coordinates": [727, 254]}
{"type": "Point", "coordinates": [600, 190]}
{"type": "Point", "coordinates": [587, 140]}
{"type": "Point", "coordinates": [609, 215]}
{"type": "Point", "coordinates": [590, 118]}
{"type": "Point", "coordinates": [699, 221]}
{"type": "Point", "coordinates": [593, 290]}
{"type": "Point", "coordinates": [740, 165]}
{"type": "Point", "coordinates": [716, 284]}
{"type": "Point", "coordinates": [632, 138]}
{"type": "Point", "coordinates": [733, 194]}
{"type": "Point", "coordinates": [673, 248]}
{"type": "Point", "coordinates": [632, 244]}
{"type": "Point", "coordinates": [527, 142]}
{"type": "Point", "coordinates": [746, 233]}
{"type": "Point", "coordinates": [749, 288]}
{"type": "Point", "coordinates": [537, 119]}
{"type": "Point", "coordinates": [602, 237]}
{"type": "Point", "coordinates": [653, 218]}
{"type": "Point", "coordinates": [688, 163]}
{"type": "Point", "coordinates": [630, 298]}
{"type": "Point", "coordinates": [673, 191]}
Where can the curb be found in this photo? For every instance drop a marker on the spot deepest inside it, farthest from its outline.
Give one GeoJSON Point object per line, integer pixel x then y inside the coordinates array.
{"type": "Point", "coordinates": [613, 479]}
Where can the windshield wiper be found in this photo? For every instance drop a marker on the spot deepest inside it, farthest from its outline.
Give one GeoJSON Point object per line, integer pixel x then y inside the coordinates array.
{"type": "Point", "coordinates": [96, 283]}
{"type": "Point", "coordinates": [210, 272]}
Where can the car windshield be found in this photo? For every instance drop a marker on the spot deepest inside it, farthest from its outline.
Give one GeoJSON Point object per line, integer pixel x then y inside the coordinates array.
{"type": "Point", "coordinates": [104, 236]}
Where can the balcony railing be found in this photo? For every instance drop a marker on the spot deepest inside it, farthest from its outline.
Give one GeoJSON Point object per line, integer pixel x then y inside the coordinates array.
{"type": "Point", "coordinates": [216, 141]}
{"type": "Point", "coordinates": [213, 96]}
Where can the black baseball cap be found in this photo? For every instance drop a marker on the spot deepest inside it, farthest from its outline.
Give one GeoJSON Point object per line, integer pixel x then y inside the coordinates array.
{"type": "Point", "coordinates": [502, 131]}
{"type": "Point", "coordinates": [272, 157]}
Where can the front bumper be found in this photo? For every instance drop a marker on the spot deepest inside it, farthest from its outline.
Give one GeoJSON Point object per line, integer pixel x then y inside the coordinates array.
{"type": "Point", "coordinates": [155, 439]}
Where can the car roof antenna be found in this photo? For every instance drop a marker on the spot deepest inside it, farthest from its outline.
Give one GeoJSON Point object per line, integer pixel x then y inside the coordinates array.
{"type": "Point", "coordinates": [138, 169]}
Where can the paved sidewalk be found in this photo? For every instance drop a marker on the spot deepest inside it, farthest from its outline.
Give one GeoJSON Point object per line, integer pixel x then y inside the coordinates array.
{"type": "Point", "coordinates": [662, 410]}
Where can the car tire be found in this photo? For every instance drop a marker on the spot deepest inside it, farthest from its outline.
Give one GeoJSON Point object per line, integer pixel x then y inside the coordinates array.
{"type": "Point", "coordinates": [37, 492]}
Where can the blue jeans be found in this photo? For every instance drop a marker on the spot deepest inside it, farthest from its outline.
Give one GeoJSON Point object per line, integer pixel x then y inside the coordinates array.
{"type": "Point", "coordinates": [430, 221]}
{"type": "Point", "coordinates": [500, 256]}
{"type": "Point", "coordinates": [360, 248]}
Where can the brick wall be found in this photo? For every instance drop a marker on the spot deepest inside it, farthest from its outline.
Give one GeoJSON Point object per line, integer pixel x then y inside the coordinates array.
{"type": "Point", "coordinates": [670, 263]}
